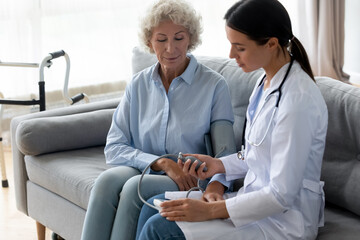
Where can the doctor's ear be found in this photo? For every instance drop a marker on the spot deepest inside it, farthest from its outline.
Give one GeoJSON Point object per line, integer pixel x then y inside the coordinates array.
{"type": "Point", "coordinates": [273, 43]}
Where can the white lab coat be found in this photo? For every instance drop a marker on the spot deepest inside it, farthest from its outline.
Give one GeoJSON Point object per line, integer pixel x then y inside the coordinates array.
{"type": "Point", "coordinates": [282, 196]}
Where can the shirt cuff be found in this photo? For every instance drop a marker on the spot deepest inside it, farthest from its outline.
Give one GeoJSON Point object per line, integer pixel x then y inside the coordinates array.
{"type": "Point", "coordinates": [235, 168]}
{"type": "Point", "coordinates": [220, 177]}
{"type": "Point", "coordinates": [144, 159]}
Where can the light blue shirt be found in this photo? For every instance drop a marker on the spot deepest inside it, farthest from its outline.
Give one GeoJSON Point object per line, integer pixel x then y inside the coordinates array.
{"type": "Point", "coordinates": [252, 108]}
{"type": "Point", "coordinates": [149, 122]}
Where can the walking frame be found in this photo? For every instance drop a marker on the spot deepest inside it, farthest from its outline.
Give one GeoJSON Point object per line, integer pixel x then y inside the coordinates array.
{"type": "Point", "coordinates": [46, 62]}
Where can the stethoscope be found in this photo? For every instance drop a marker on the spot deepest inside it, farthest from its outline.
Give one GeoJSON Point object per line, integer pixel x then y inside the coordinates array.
{"type": "Point", "coordinates": [245, 137]}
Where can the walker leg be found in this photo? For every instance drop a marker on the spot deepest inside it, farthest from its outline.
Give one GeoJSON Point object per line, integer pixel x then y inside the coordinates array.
{"type": "Point", "coordinates": [4, 181]}
{"type": "Point", "coordinates": [40, 229]}
{"type": "Point", "coordinates": [54, 236]}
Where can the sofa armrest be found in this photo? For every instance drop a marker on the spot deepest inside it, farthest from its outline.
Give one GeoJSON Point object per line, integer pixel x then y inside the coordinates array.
{"type": "Point", "coordinates": [61, 133]}
{"type": "Point", "coordinates": [20, 175]}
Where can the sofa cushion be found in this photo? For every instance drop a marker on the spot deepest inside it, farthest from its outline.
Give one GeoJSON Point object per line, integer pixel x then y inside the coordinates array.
{"type": "Point", "coordinates": [141, 60]}
{"type": "Point", "coordinates": [339, 224]}
{"type": "Point", "coordinates": [341, 162]}
{"type": "Point", "coordinates": [70, 174]}
{"type": "Point", "coordinates": [61, 133]}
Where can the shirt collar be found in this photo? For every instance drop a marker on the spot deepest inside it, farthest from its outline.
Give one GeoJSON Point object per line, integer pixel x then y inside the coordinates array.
{"type": "Point", "coordinates": [187, 75]}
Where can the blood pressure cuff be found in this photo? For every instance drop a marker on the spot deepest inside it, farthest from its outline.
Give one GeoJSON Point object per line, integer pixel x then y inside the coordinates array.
{"type": "Point", "coordinates": [221, 140]}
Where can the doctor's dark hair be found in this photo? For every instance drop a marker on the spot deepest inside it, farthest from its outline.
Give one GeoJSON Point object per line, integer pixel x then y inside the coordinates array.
{"type": "Point", "coordinates": [262, 19]}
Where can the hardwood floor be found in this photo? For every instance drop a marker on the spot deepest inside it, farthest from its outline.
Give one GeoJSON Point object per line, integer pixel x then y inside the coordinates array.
{"type": "Point", "coordinates": [14, 225]}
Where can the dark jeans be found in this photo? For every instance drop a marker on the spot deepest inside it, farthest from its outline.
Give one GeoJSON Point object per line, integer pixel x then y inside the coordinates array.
{"type": "Point", "coordinates": [151, 225]}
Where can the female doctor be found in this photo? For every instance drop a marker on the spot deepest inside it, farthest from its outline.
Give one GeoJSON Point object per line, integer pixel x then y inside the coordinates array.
{"type": "Point", "coordinates": [282, 196]}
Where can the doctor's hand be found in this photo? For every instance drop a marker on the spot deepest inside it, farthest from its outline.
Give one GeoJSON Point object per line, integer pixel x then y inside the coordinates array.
{"type": "Point", "coordinates": [214, 192]}
{"type": "Point", "coordinates": [183, 180]}
{"type": "Point", "coordinates": [213, 165]}
{"type": "Point", "coordinates": [192, 210]}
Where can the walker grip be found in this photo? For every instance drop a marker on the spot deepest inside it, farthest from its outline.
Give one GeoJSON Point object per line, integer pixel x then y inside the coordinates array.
{"type": "Point", "coordinates": [77, 98]}
{"type": "Point", "coordinates": [57, 54]}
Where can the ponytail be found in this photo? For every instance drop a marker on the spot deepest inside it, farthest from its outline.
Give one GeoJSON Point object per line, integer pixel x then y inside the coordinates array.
{"type": "Point", "coordinates": [299, 54]}
{"type": "Point", "coordinates": [262, 19]}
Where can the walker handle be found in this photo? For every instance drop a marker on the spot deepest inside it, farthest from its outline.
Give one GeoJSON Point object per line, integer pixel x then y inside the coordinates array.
{"type": "Point", "coordinates": [77, 98]}
{"type": "Point", "coordinates": [57, 54]}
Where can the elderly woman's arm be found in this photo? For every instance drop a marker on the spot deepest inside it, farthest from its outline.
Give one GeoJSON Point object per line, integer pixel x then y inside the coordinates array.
{"type": "Point", "coordinates": [118, 150]}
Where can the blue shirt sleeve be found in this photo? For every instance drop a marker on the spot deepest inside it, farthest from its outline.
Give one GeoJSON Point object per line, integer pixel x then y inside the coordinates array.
{"type": "Point", "coordinates": [221, 106]}
{"type": "Point", "coordinates": [220, 177]}
{"type": "Point", "coordinates": [118, 149]}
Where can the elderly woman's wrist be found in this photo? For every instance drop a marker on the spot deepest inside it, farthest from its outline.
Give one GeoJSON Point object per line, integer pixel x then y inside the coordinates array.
{"type": "Point", "coordinates": [161, 165]}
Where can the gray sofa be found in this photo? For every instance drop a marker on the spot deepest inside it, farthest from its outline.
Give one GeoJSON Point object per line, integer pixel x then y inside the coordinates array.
{"type": "Point", "coordinates": [58, 154]}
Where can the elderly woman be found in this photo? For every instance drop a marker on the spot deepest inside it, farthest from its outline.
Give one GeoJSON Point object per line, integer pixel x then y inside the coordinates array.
{"type": "Point", "coordinates": [167, 108]}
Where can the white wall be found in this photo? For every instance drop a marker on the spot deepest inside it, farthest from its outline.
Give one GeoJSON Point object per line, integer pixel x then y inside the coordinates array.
{"type": "Point", "coordinates": [352, 40]}
{"type": "Point", "coordinates": [97, 35]}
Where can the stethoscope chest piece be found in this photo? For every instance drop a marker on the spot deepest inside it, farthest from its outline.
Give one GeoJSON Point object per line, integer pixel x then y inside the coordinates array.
{"type": "Point", "coordinates": [241, 153]}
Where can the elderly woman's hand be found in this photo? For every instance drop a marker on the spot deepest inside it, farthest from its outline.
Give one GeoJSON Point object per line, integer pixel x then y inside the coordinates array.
{"type": "Point", "coordinates": [184, 180]}
{"type": "Point", "coordinates": [214, 192]}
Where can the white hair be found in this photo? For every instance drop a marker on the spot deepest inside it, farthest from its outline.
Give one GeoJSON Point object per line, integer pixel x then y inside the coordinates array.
{"type": "Point", "coordinates": [179, 12]}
